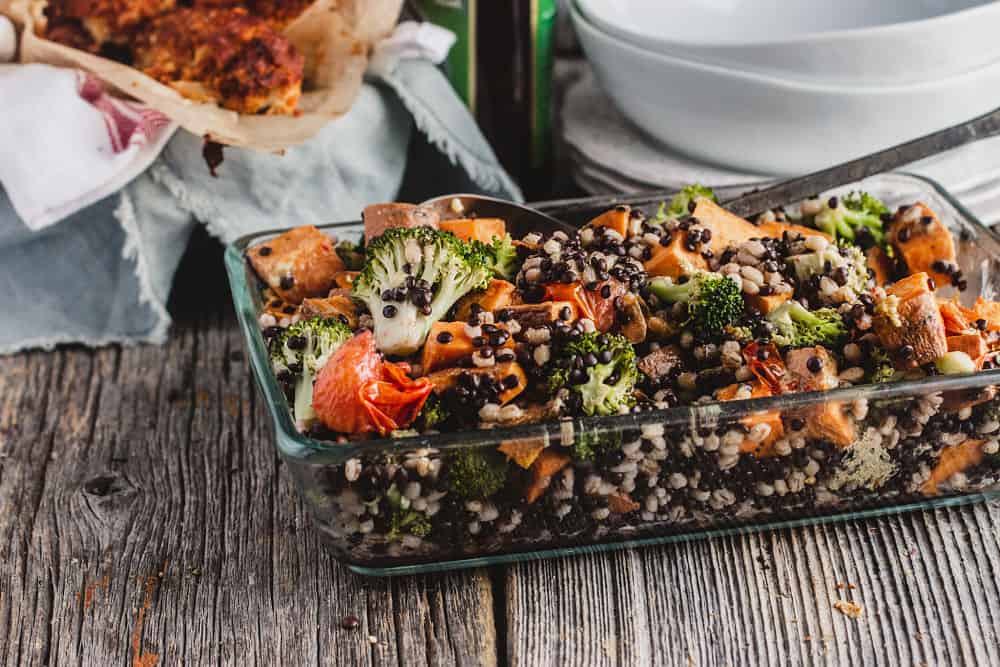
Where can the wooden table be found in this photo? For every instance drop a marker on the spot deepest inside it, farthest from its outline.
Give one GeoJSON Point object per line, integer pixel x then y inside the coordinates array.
{"type": "Point", "coordinates": [145, 520]}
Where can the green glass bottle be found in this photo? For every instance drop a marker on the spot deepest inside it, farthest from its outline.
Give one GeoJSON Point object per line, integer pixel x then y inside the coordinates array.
{"type": "Point", "coordinates": [501, 66]}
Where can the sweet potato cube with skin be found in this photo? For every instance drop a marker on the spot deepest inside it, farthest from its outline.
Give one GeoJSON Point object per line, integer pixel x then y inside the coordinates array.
{"type": "Point", "coordinates": [921, 239]}
{"type": "Point", "coordinates": [475, 229]}
{"type": "Point", "coordinates": [615, 219]}
{"type": "Point", "coordinates": [446, 379]}
{"type": "Point", "coordinates": [444, 351]}
{"type": "Point", "coordinates": [523, 452]}
{"type": "Point", "coordinates": [528, 315]}
{"type": "Point", "coordinates": [989, 311]}
{"type": "Point", "coordinates": [548, 463]}
{"type": "Point", "coordinates": [880, 264]}
{"type": "Point", "coordinates": [826, 420]}
{"type": "Point", "coordinates": [957, 318]}
{"type": "Point", "coordinates": [341, 307]}
{"type": "Point", "coordinates": [298, 264]}
{"type": "Point", "coordinates": [380, 217]}
{"type": "Point", "coordinates": [922, 325]}
{"type": "Point", "coordinates": [622, 503]}
{"type": "Point", "coordinates": [766, 304]}
{"type": "Point", "coordinates": [674, 260]}
{"type": "Point", "coordinates": [955, 459]}
{"type": "Point", "coordinates": [970, 343]}
{"type": "Point", "coordinates": [634, 327]}
{"type": "Point", "coordinates": [728, 229]}
{"type": "Point", "coordinates": [764, 448]}
{"type": "Point", "coordinates": [345, 279]}
{"type": "Point", "coordinates": [967, 398]}
{"type": "Point", "coordinates": [776, 230]}
{"type": "Point", "coordinates": [591, 304]}
{"type": "Point", "coordinates": [498, 294]}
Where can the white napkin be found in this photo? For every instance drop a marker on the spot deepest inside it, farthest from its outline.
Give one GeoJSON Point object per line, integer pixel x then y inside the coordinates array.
{"type": "Point", "coordinates": [66, 144]}
{"type": "Point", "coordinates": [412, 40]}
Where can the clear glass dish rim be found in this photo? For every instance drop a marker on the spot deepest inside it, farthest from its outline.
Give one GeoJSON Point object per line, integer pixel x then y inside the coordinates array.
{"type": "Point", "coordinates": [296, 445]}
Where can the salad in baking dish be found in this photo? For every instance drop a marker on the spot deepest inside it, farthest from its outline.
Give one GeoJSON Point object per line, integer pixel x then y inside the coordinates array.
{"type": "Point", "coordinates": [435, 325]}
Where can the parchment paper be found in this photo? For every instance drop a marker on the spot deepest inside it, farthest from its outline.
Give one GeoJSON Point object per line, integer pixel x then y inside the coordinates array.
{"type": "Point", "coordinates": [334, 36]}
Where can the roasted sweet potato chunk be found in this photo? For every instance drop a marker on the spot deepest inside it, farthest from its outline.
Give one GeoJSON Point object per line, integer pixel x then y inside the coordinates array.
{"type": "Point", "coordinates": [955, 459]}
{"type": "Point", "coordinates": [616, 219]}
{"type": "Point", "coordinates": [447, 344]}
{"type": "Point", "coordinates": [776, 230]}
{"type": "Point", "coordinates": [918, 337]}
{"type": "Point", "coordinates": [674, 260]}
{"type": "Point", "coordinates": [970, 343]}
{"type": "Point", "coordinates": [498, 294]}
{"type": "Point", "coordinates": [340, 307]}
{"type": "Point", "coordinates": [380, 217]}
{"type": "Point", "coordinates": [448, 378]}
{"type": "Point", "coordinates": [529, 315]}
{"type": "Point", "coordinates": [765, 304]}
{"type": "Point", "coordinates": [548, 463]}
{"type": "Point", "coordinates": [597, 305]}
{"type": "Point", "coordinates": [298, 264]}
{"type": "Point", "coordinates": [475, 229]}
{"type": "Point", "coordinates": [923, 242]}
{"type": "Point", "coordinates": [826, 420]}
{"type": "Point", "coordinates": [763, 448]}
{"type": "Point", "coordinates": [345, 279]}
{"type": "Point", "coordinates": [728, 229]}
{"type": "Point", "coordinates": [880, 264]}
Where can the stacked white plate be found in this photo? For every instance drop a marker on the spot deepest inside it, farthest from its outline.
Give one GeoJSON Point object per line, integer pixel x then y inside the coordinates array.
{"type": "Point", "coordinates": [791, 86]}
{"type": "Point", "coordinates": [609, 155]}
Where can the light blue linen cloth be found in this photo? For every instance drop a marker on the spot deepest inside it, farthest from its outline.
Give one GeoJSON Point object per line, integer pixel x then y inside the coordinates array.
{"type": "Point", "coordinates": [104, 274]}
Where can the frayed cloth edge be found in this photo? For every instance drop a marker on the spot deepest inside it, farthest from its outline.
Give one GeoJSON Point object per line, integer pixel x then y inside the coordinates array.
{"type": "Point", "coordinates": [487, 175]}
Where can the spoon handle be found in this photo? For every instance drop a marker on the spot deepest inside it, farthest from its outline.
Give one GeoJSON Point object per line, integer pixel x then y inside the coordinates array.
{"type": "Point", "coordinates": [879, 162]}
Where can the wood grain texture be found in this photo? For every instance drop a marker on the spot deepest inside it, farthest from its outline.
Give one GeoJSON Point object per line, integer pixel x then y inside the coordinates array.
{"type": "Point", "coordinates": [145, 520]}
{"type": "Point", "coordinates": [927, 583]}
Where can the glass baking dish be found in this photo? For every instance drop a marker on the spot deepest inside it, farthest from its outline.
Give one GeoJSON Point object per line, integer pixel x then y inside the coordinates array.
{"type": "Point", "coordinates": [654, 477]}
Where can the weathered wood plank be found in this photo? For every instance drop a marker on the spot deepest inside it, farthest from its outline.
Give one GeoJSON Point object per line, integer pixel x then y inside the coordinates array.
{"type": "Point", "coordinates": [927, 581]}
{"type": "Point", "coordinates": [145, 520]}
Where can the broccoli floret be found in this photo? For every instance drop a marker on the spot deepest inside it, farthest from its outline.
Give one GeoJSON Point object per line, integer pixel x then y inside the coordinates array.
{"type": "Point", "coordinates": [849, 260]}
{"type": "Point", "coordinates": [883, 369]}
{"type": "Point", "coordinates": [678, 206]}
{"type": "Point", "coordinates": [433, 413]}
{"type": "Point", "coordinates": [591, 444]}
{"type": "Point", "coordinates": [600, 369]}
{"type": "Point", "coordinates": [856, 218]}
{"type": "Point", "coordinates": [502, 256]}
{"type": "Point", "coordinates": [476, 473]}
{"type": "Point", "coordinates": [404, 520]}
{"type": "Point", "coordinates": [412, 276]}
{"type": "Point", "coordinates": [714, 301]}
{"type": "Point", "coordinates": [681, 202]}
{"type": "Point", "coordinates": [797, 327]}
{"type": "Point", "coordinates": [301, 351]}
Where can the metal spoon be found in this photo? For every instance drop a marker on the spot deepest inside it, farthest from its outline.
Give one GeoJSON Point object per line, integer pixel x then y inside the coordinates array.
{"type": "Point", "coordinates": [521, 220]}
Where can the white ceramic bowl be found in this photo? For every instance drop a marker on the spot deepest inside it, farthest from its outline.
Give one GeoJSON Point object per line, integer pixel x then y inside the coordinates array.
{"type": "Point", "coordinates": [844, 41]}
{"type": "Point", "coordinates": [769, 125]}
